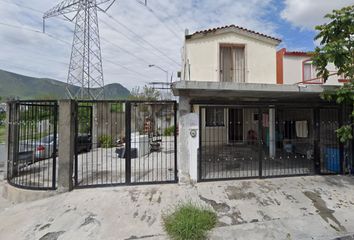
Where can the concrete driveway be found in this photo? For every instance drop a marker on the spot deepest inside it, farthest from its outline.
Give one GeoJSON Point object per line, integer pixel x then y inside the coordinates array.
{"type": "Point", "coordinates": [319, 207]}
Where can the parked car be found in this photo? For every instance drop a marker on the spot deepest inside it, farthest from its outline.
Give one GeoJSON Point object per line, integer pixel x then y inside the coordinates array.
{"type": "Point", "coordinates": [44, 147]}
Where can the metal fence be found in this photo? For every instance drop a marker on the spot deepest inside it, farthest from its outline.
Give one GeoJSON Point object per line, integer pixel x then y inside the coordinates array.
{"type": "Point", "coordinates": [125, 142]}
{"type": "Point", "coordinates": [32, 144]}
{"type": "Point", "coordinates": [249, 141]}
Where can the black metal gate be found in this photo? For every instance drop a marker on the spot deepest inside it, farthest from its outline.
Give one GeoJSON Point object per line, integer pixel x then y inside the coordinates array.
{"type": "Point", "coordinates": [255, 141]}
{"type": "Point", "coordinates": [32, 144]}
{"type": "Point", "coordinates": [125, 142]}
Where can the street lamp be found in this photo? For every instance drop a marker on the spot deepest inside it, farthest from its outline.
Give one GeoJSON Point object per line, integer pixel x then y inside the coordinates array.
{"type": "Point", "coordinates": [158, 67]}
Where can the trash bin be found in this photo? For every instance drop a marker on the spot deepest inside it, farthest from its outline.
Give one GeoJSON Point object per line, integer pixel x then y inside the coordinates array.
{"type": "Point", "coordinates": [332, 159]}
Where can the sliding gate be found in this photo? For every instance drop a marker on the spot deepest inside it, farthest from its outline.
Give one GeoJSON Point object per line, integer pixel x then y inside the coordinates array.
{"type": "Point", "coordinates": [125, 142]}
{"type": "Point", "coordinates": [248, 142]}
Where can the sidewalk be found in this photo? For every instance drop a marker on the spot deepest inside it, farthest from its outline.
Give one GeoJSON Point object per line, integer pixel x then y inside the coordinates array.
{"type": "Point", "coordinates": [319, 207]}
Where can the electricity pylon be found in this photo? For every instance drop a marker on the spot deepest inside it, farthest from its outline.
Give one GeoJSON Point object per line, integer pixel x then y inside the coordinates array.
{"type": "Point", "coordinates": [85, 69]}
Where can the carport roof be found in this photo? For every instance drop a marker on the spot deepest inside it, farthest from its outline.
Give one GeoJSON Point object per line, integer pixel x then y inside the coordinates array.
{"type": "Point", "coordinates": [247, 91]}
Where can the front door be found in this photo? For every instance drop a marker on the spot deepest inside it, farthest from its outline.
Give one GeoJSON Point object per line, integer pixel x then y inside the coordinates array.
{"type": "Point", "coordinates": [235, 125]}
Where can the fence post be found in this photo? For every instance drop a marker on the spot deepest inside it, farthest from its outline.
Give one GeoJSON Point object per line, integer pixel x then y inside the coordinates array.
{"type": "Point", "coordinates": [128, 142]}
{"type": "Point", "coordinates": [188, 143]}
{"type": "Point", "coordinates": [67, 122]}
{"type": "Point", "coordinates": [7, 139]}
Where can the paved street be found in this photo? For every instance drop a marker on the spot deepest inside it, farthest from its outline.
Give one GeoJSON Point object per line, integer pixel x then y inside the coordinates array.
{"type": "Point", "coordinates": [319, 207]}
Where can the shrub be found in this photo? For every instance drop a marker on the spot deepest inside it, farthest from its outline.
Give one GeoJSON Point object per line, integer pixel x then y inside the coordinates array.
{"type": "Point", "coordinates": [189, 221]}
{"type": "Point", "coordinates": [169, 131]}
{"type": "Point", "coordinates": [106, 141]}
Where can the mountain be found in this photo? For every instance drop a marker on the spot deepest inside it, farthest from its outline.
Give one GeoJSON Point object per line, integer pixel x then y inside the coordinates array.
{"type": "Point", "coordinates": [24, 87]}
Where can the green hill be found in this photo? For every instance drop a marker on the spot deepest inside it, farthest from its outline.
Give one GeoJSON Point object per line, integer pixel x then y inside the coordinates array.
{"type": "Point", "coordinates": [14, 85]}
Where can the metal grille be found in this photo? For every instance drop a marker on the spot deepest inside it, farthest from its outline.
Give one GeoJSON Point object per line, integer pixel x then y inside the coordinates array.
{"type": "Point", "coordinates": [33, 144]}
{"type": "Point", "coordinates": [153, 142]}
{"type": "Point", "coordinates": [293, 142]}
{"type": "Point", "coordinates": [123, 142]}
{"type": "Point", "coordinates": [247, 142]}
{"type": "Point", "coordinates": [331, 151]}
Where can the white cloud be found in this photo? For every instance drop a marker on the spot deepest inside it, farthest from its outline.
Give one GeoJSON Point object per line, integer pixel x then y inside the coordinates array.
{"type": "Point", "coordinates": [37, 54]}
{"type": "Point", "coordinates": [306, 14]}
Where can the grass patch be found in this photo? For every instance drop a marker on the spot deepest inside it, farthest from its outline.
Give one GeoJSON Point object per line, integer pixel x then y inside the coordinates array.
{"type": "Point", "coordinates": [189, 221]}
{"type": "Point", "coordinates": [106, 141]}
{"type": "Point", "coordinates": [2, 133]}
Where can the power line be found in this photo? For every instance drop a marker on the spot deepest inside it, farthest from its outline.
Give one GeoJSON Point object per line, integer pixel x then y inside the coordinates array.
{"type": "Point", "coordinates": [34, 30]}
{"type": "Point", "coordinates": [22, 6]}
{"type": "Point", "coordinates": [125, 50]}
{"type": "Point", "coordinates": [66, 42]}
{"type": "Point", "coordinates": [173, 19]}
{"type": "Point", "coordinates": [130, 39]}
{"type": "Point", "coordinates": [159, 19]}
{"type": "Point", "coordinates": [126, 68]}
{"type": "Point", "coordinates": [140, 38]}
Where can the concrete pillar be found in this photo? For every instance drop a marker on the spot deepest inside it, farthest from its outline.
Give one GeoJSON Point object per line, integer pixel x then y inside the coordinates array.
{"type": "Point", "coordinates": [188, 143]}
{"type": "Point", "coordinates": [272, 140]}
{"type": "Point", "coordinates": [67, 119]}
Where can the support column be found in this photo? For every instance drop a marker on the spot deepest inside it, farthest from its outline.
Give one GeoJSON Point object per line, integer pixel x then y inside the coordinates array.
{"type": "Point", "coordinates": [188, 143]}
{"type": "Point", "coordinates": [7, 135]}
{"type": "Point", "coordinates": [67, 128]}
{"type": "Point", "coordinates": [272, 140]}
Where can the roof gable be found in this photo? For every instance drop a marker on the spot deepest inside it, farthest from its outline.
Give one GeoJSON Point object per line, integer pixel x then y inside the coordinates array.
{"type": "Point", "coordinates": [234, 29]}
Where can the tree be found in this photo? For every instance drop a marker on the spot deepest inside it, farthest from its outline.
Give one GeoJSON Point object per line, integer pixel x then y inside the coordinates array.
{"type": "Point", "coordinates": [337, 47]}
{"type": "Point", "coordinates": [147, 94]}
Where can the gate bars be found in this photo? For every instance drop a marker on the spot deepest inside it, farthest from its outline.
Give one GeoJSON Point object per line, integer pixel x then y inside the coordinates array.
{"type": "Point", "coordinates": [32, 144]}
{"type": "Point", "coordinates": [239, 142]}
{"type": "Point", "coordinates": [125, 142]}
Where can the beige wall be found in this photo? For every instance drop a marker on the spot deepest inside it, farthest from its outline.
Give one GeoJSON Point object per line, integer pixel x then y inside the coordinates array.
{"type": "Point", "coordinates": [292, 66]}
{"type": "Point", "coordinates": [220, 135]}
{"type": "Point", "coordinates": [214, 135]}
{"type": "Point", "coordinates": [203, 57]}
{"type": "Point", "coordinates": [249, 123]}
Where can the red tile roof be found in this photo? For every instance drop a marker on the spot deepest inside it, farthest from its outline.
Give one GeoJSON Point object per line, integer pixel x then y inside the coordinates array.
{"type": "Point", "coordinates": [237, 27]}
{"type": "Point", "coordinates": [298, 53]}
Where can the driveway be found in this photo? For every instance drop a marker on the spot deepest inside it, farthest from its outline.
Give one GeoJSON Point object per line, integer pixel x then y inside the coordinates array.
{"type": "Point", "coordinates": [319, 207]}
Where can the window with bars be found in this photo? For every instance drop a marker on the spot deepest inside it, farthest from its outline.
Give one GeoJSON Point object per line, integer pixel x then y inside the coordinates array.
{"type": "Point", "coordinates": [214, 117]}
{"type": "Point", "coordinates": [232, 63]}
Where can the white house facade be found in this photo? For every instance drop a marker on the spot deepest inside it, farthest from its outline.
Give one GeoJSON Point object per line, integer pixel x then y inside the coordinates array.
{"type": "Point", "coordinates": [249, 111]}
{"type": "Point", "coordinates": [230, 54]}
{"type": "Point", "coordinates": [296, 67]}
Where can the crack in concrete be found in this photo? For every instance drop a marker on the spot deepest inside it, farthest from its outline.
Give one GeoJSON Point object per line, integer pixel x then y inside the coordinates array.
{"type": "Point", "coordinates": [133, 237]}
{"type": "Point", "coordinates": [322, 210]}
{"type": "Point", "coordinates": [236, 193]}
{"type": "Point", "coordinates": [218, 207]}
{"type": "Point", "coordinates": [52, 235]}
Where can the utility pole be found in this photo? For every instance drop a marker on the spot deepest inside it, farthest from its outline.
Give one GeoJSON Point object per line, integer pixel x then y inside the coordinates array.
{"type": "Point", "coordinates": [85, 69]}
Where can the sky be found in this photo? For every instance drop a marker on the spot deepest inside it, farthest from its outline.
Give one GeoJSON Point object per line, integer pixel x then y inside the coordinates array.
{"type": "Point", "coordinates": [134, 36]}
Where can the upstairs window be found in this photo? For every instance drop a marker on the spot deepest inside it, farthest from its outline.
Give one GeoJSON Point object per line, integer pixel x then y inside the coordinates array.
{"type": "Point", "coordinates": [214, 117]}
{"type": "Point", "coordinates": [310, 73]}
{"type": "Point", "coordinates": [232, 63]}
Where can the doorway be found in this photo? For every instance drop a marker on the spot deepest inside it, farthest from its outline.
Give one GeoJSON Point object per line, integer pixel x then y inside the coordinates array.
{"type": "Point", "coordinates": [235, 125]}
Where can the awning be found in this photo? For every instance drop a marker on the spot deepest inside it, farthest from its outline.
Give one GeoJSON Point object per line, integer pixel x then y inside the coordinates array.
{"type": "Point", "coordinates": [248, 91]}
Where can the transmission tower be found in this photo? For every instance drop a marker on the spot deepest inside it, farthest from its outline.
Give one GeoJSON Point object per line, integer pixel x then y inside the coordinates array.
{"type": "Point", "coordinates": [85, 69]}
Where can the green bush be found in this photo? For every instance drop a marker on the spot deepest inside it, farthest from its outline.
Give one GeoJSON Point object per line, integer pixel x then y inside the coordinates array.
{"type": "Point", "coordinates": [189, 221]}
{"type": "Point", "coordinates": [106, 141]}
{"type": "Point", "coordinates": [169, 131]}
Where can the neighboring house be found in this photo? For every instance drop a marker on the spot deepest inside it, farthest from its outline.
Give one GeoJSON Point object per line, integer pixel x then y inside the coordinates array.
{"type": "Point", "coordinates": [252, 117]}
{"type": "Point", "coordinates": [297, 67]}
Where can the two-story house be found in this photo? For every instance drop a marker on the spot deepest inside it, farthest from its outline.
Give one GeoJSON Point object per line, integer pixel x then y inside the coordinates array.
{"type": "Point", "coordinates": [297, 68]}
{"type": "Point", "coordinates": [252, 110]}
